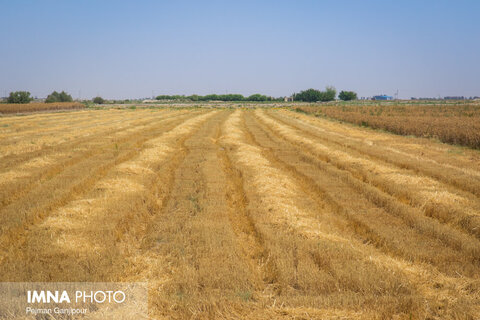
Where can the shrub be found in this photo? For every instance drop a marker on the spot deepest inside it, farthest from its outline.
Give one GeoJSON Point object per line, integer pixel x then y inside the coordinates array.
{"type": "Point", "coordinates": [98, 100]}
{"type": "Point", "coordinates": [347, 95]}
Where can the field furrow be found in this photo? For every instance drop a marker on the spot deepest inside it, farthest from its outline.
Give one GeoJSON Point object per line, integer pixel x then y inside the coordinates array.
{"type": "Point", "coordinates": [241, 218]}
{"type": "Point", "coordinates": [38, 146]}
{"type": "Point", "coordinates": [439, 198]}
{"type": "Point", "coordinates": [454, 178]}
{"type": "Point", "coordinates": [364, 217]}
{"type": "Point", "coordinates": [14, 130]}
{"type": "Point", "coordinates": [20, 179]}
{"type": "Point", "coordinates": [191, 238]}
{"type": "Point", "coordinates": [242, 213]}
{"type": "Point", "coordinates": [304, 250]}
{"type": "Point", "coordinates": [420, 155]}
{"type": "Point", "coordinates": [18, 141]}
{"type": "Point", "coordinates": [40, 201]}
{"type": "Point", "coordinates": [352, 214]}
{"type": "Point", "coordinates": [94, 222]}
{"type": "Point", "coordinates": [387, 186]}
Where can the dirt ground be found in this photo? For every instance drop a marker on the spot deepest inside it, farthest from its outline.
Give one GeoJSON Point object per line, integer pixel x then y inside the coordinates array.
{"type": "Point", "coordinates": [243, 213]}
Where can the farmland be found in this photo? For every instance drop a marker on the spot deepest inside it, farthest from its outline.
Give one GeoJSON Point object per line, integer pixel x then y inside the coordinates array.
{"type": "Point", "coordinates": [254, 213]}
{"type": "Point", "coordinates": [449, 122]}
{"type": "Point", "coordinates": [37, 106]}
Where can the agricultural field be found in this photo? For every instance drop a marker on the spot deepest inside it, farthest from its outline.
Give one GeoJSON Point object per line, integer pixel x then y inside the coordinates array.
{"type": "Point", "coordinates": [38, 106]}
{"type": "Point", "coordinates": [243, 213]}
{"type": "Point", "coordinates": [456, 122]}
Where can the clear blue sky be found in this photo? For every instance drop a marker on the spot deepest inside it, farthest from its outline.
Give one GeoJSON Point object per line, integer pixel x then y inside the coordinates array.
{"type": "Point", "coordinates": [122, 49]}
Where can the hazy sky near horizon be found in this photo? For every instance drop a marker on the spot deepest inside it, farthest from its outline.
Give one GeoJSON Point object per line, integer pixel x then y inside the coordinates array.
{"type": "Point", "coordinates": [133, 49]}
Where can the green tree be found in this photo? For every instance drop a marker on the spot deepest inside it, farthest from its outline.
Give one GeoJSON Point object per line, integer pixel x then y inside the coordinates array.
{"type": "Point", "coordinates": [309, 95]}
{"type": "Point", "coordinates": [312, 95]}
{"type": "Point", "coordinates": [329, 94]}
{"type": "Point", "coordinates": [65, 97]}
{"type": "Point", "coordinates": [347, 95]}
{"type": "Point", "coordinates": [98, 100]}
{"type": "Point", "coordinates": [52, 97]}
{"type": "Point", "coordinates": [19, 97]}
{"type": "Point", "coordinates": [58, 97]}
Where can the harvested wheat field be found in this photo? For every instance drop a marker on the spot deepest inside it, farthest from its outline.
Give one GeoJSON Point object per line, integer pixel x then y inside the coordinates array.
{"type": "Point", "coordinates": [243, 213]}
{"type": "Point", "coordinates": [456, 123]}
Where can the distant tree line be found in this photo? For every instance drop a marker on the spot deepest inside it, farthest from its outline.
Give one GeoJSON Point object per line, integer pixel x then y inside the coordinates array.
{"type": "Point", "coordinates": [309, 95]}
{"type": "Point", "coordinates": [329, 94]}
{"type": "Point", "coordinates": [219, 97]}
